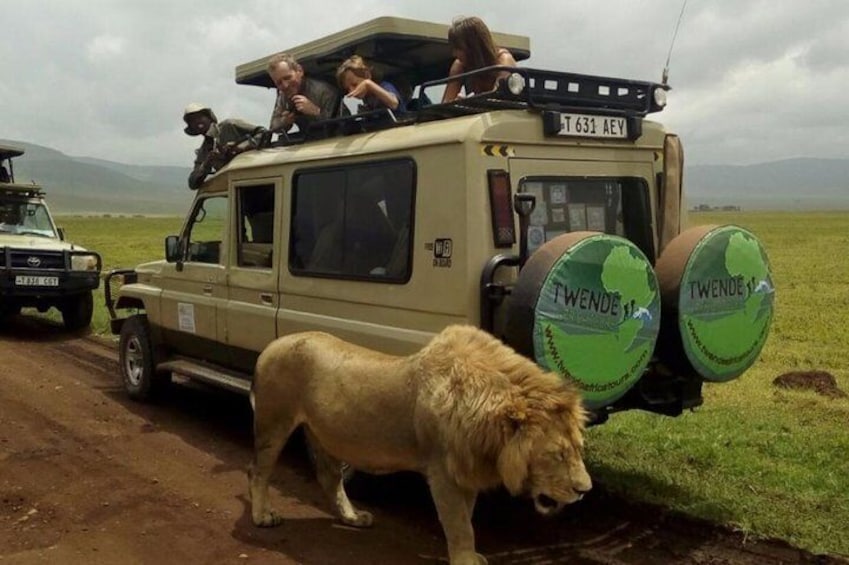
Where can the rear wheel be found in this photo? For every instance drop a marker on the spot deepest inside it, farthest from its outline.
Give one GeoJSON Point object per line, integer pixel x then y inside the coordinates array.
{"type": "Point", "coordinates": [77, 311]}
{"type": "Point", "coordinates": [138, 362]}
{"type": "Point", "coordinates": [586, 305]}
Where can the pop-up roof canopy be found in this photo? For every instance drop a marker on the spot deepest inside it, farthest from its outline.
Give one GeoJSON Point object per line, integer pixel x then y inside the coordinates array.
{"type": "Point", "coordinates": [8, 151]}
{"type": "Point", "coordinates": [396, 48]}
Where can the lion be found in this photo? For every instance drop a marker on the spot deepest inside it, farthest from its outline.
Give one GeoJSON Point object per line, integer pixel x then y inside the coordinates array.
{"type": "Point", "coordinates": [466, 411]}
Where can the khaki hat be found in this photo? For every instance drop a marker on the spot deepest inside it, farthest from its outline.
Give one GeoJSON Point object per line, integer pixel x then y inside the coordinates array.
{"type": "Point", "coordinates": [195, 108]}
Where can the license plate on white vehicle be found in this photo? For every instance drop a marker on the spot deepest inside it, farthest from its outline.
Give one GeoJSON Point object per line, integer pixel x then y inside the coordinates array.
{"type": "Point", "coordinates": [587, 125]}
{"type": "Point", "coordinates": [36, 281]}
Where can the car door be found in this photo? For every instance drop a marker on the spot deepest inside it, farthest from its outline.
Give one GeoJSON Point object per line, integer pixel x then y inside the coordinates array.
{"type": "Point", "coordinates": [253, 299]}
{"type": "Point", "coordinates": [195, 290]}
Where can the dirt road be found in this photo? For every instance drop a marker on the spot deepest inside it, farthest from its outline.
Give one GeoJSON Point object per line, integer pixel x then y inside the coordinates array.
{"type": "Point", "coordinates": [88, 476]}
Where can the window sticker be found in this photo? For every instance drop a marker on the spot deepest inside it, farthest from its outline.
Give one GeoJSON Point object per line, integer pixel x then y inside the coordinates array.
{"type": "Point", "coordinates": [558, 193]}
{"type": "Point", "coordinates": [595, 218]}
{"type": "Point", "coordinates": [558, 215]}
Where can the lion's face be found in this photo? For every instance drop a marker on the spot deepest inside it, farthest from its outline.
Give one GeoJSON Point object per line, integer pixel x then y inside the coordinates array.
{"type": "Point", "coordinates": [556, 473]}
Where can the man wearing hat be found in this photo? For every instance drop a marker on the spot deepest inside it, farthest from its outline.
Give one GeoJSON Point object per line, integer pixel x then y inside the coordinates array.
{"type": "Point", "coordinates": [221, 140]}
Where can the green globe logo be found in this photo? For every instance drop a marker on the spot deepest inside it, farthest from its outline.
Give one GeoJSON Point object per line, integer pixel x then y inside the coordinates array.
{"type": "Point", "coordinates": [597, 317]}
{"type": "Point", "coordinates": [725, 304]}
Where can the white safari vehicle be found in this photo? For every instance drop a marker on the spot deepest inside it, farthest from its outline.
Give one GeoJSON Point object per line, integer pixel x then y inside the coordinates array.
{"type": "Point", "coordinates": [549, 212]}
{"type": "Point", "coordinates": [37, 267]}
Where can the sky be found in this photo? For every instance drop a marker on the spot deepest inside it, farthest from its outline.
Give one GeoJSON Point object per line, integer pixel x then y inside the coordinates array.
{"type": "Point", "coordinates": [752, 80]}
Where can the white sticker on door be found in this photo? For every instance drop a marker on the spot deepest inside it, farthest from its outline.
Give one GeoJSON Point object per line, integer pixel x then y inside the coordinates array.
{"type": "Point", "coordinates": [186, 317]}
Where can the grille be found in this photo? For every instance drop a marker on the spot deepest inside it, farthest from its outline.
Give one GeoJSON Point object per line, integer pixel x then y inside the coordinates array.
{"type": "Point", "coordinates": [28, 260]}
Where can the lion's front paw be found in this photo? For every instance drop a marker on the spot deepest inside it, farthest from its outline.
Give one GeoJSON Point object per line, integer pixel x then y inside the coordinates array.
{"type": "Point", "coordinates": [360, 519]}
{"type": "Point", "coordinates": [268, 520]}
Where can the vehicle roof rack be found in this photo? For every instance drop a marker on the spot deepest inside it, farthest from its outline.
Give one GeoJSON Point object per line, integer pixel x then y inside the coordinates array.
{"type": "Point", "coordinates": [21, 190]}
{"type": "Point", "coordinates": [550, 90]}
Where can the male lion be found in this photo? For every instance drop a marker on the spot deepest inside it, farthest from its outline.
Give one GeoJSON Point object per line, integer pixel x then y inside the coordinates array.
{"type": "Point", "coordinates": [466, 411]}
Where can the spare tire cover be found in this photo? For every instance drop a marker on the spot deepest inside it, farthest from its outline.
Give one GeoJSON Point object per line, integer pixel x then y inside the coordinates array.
{"type": "Point", "coordinates": [717, 281]}
{"type": "Point", "coordinates": [587, 306]}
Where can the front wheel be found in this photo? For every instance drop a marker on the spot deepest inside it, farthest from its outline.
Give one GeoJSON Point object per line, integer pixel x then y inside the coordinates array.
{"type": "Point", "coordinates": [138, 363]}
{"type": "Point", "coordinates": [77, 311]}
{"type": "Point", "coordinates": [8, 310]}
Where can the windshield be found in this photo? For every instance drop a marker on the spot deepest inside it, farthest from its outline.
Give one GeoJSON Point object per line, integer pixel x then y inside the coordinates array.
{"type": "Point", "coordinates": [23, 217]}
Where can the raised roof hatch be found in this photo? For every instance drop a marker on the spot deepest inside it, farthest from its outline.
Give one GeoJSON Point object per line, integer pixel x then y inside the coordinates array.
{"type": "Point", "coordinates": [9, 151]}
{"type": "Point", "coordinates": [416, 50]}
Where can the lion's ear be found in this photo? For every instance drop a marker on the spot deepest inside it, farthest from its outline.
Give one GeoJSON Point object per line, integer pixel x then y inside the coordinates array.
{"type": "Point", "coordinates": [517, 413]}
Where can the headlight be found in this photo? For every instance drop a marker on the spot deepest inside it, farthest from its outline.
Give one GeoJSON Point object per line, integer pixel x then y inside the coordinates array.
{"type": "Point", "coordinates": [515, 84]}
{"type": "Point", "coordinates": [660, 97]}
{"type": "Point", "coordinates": [83, 262]}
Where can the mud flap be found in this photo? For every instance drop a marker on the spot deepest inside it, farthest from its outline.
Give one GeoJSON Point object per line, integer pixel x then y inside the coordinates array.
{"type": "Point", "coordinates": [587, 305]}
{"type": "Point", "coordinates": [717, 295]}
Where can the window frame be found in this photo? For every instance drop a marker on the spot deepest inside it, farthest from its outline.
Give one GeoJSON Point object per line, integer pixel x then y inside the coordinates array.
{"type": "Point", "coordinates": [238, 197]}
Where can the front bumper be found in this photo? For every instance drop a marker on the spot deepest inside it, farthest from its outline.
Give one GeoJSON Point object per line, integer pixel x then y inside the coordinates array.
{"type": "Point", "coordinates": [28, 275]}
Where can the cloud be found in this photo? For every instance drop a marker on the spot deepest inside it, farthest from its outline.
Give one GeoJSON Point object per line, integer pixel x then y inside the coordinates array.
{"type": "Point", "coordinates": [105, 48]}
{"type": "Point", "coordinates": [752, 81]}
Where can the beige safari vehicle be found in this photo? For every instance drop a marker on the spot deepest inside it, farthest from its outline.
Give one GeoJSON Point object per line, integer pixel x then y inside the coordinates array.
{"type": "Point", "coordinates": [38, 268]}
{"type": "Point", "coordinates": [549, 212]}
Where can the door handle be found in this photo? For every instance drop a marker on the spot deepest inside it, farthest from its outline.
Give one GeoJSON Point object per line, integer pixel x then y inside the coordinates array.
{"type": "Point", "coordinates": [266, 298]}
{"type": "Point", "coordinates": [207, 289]}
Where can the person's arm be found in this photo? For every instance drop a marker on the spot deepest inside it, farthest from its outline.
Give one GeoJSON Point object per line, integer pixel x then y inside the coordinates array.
{"type": "Point", "coordinates": [281, 118]}
{"type": "Point", "coordinates": [201, 167]}
{"type": "Point", "coordinates": [452, 90]}
{"type": "Point", "coordinates": [387, 94]}
{"type": "Point", "coordinates": [505, 59]}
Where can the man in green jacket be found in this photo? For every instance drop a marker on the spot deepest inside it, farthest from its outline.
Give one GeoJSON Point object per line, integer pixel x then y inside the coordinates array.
{"type": "Point", "coordinates": [221, 140]}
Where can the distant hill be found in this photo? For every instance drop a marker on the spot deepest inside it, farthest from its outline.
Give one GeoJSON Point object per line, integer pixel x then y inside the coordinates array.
{"type": "Point", "coordinates": [84, 185]}
{"type": "Point", "coordinates": [803, 183]}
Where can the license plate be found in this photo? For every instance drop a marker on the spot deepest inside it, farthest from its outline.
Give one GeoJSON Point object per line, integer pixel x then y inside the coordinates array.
{"type": "Point", "coordinates": [586, 125]}
{"type": "Point", "coordinates": [36, 281]}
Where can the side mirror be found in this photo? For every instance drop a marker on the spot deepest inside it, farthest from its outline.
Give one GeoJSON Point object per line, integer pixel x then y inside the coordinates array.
{"type": "Point", "coordinates": [172, 249]}
{"type": "Point", "coordinates": [61, 232]}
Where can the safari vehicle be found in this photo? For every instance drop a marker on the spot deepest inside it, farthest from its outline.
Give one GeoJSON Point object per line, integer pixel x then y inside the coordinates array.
{"type": "Point", "coordinates": [37, 267]}
{"type": "Point", "coordinates": [549, 212]}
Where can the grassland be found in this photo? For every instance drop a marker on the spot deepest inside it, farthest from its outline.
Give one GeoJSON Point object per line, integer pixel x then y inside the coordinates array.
{"type": "Point", "coordinates": [765, 460]}
{"type": "Point", "coordinates": [768, 461]}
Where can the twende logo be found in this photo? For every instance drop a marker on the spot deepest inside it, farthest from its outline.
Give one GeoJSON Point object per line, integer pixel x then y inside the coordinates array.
{"type": "Point", "coordinates": [725, 303]}
{"type": "Point", "coordinates": [597, 317]}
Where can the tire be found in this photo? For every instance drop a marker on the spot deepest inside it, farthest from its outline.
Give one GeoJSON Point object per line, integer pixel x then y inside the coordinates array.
{"type": "Point", "coordinates": [8, 311]}
{"type": "Point", "coordinates": [77, 311]}
{"type": "Point", "coordinates": [586, 305]}
{"type": "Point", "coordinates": [138, 362]}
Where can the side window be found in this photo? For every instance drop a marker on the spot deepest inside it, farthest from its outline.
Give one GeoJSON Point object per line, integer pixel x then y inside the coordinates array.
{"type": "Point", "coordinates": [256, 225]}
{"type": "Point", "coordinates": [206, 230]}
{"type": "Point", "coordinates": [354, 222]}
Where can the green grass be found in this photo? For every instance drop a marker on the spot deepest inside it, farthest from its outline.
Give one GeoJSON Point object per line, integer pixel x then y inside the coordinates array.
{"type": "Point", "coordinates": [122, 242]}
{"type": "Point", "coordinates": [771, 462]}
{"type": "Point", "coordinates": [768, 461]}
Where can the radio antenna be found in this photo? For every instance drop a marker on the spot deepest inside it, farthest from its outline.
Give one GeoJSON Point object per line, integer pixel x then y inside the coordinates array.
{"type": "Point", "coordinates": [665, 77]}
